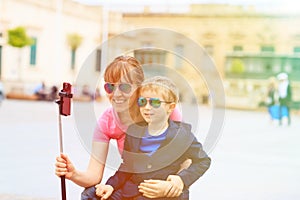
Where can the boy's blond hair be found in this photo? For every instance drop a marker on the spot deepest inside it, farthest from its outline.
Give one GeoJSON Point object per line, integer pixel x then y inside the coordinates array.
{"type": "Point", "coordinates": [162, 85]}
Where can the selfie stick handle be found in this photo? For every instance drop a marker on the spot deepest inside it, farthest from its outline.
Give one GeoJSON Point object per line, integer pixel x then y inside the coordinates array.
{"type": "Point", "coordinates": [64, 104]}
{"type": "Point", "coordinates": [60, 134]}
{"type": "Point", "coordinates": [62, 178]}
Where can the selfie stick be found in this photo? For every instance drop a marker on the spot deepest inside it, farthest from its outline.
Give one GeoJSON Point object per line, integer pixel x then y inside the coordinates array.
{"type": "Point", "coordinates": [64, 104]}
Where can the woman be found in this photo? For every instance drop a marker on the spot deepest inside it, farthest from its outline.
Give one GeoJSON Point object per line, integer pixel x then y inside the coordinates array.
{"type": "Point", "coordinates": [272, 100]}
{"type": "Point", "coordinates": [122, 78]}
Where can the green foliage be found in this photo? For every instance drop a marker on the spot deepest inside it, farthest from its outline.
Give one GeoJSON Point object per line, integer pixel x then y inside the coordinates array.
{"type": "Point", "coordinates": [237, 66]}
{"type": "Point", "coordinates": [17, 37]}
{"type": "Point", "coordinates": [74, 41]}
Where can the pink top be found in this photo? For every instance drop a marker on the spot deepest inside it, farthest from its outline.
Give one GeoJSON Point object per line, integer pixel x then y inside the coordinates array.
{"type": "Point", "coordinates": [109, 127]}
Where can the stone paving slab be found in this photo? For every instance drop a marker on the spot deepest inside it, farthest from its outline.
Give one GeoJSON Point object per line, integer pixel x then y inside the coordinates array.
{"type": "Point", "coordinates": [253, 159]}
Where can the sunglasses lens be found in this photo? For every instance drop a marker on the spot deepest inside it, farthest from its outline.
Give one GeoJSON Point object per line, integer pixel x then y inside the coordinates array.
{"type": "Point", "coordinates": [142, 102]}
{"type": "Point", "coordinates": [109, 88]}
{"type": "Point", "coordinates": [155, 103]}
{"type": "Point", "coordinates": [125, 87]}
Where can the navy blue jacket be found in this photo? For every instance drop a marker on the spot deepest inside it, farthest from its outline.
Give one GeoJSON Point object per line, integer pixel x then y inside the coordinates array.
{"type": "Point", "coordinates": [179, 145]}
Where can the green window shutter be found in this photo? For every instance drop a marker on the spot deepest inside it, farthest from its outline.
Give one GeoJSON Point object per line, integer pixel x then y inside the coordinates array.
{"type": "Point", "coordinates": [267, 49]}
{"type": "Point", "coordinates": [73, 58]}
{"type": "Point", "coordinates": [33, 51]}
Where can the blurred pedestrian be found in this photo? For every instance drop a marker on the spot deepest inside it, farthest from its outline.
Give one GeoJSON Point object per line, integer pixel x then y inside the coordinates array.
{"type": "Point", "coordinates": [272, 101]}
{"type": "Point", "coordinates": [40, 91]}
{"type": "Point", "coordinates": [86, 91]}
{"type": "Point", "coordinates": [53, 95]}
{"type": "Point", "coordinates": [285, 98]}
{"type": "Point", "coordinates": [97, 95]}
{"type": "Point", "coordinates": [1, 92]}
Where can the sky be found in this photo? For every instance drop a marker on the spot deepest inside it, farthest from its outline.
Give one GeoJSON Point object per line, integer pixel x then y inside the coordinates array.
{"type": "Point", "coordinates": [273, 6]}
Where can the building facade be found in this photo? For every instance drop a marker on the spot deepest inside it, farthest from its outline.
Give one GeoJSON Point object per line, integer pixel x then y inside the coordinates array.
{"type": "Point", "coordinates": [48, 24]}
{"type": "Point", "coordinates": [246, 46]}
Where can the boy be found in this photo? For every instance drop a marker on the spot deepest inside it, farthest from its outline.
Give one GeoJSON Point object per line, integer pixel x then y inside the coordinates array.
{"type": "Point", "coordinates": [154, 149]}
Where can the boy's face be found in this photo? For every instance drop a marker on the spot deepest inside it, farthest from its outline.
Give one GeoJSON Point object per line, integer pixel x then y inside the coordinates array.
{"type": "Point", "coordinates": [152, 114]}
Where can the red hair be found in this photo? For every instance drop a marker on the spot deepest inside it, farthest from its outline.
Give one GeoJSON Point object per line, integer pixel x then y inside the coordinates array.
{"type": "Point", "coordinates": [124, 67]}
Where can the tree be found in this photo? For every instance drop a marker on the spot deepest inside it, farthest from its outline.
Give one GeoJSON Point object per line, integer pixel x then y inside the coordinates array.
{"type": "Point", "coordinates": [18, 38]}
{"type": "Point", "coordinates": [237, 66]}
{"type": "Point", "coordinates": [74, 41]}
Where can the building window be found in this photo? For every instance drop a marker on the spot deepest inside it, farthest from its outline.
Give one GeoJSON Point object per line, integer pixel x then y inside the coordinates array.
{"type": "Point", "coordinates": [237, 48]}
{"type": "Point", "coordinates": [178, 56]}
{"type": "Point", "coordinates": [33, 51]}
{"type": "Point", "coordinates": [147, 44]}
{"type": "Point", "coordinates": [98, 60]}
{"type": "Point", "coordinates": [267, 49]}
{"type": "Point", "coordinates": [73, 57]}
{"type": "Point", "coordinates": [153, 61]}
{"type": "Point", "coordinates": [150, 56]}
{"type": "Point", "coordinates": [297, 49]}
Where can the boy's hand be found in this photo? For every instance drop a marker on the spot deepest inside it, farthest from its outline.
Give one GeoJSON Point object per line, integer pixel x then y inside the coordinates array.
{"type": "Point", "coordinates": [159, 188]}
{"type": "Point", "coordinates": [177, 184]}
{"type": "Point", "coordinates": [154, 188]}
{"type": "Point", "coordinates": [104, 191]}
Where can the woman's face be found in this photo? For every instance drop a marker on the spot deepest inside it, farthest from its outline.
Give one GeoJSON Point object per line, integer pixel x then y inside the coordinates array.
{"type": "Point", "coordinates": [122, 94]}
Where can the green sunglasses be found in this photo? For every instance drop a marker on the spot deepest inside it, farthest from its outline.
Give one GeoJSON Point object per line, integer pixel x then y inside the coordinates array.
{"type": "Point", "coordinates": [154, 102]}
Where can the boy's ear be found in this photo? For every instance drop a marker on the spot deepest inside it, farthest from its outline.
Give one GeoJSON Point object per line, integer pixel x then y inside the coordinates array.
{"type": "Point", "coordinates": [172, 106]}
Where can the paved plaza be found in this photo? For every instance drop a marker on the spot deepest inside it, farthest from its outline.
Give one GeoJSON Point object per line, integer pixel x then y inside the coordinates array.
{"type": "Point", "coordinates": [252, 160]}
